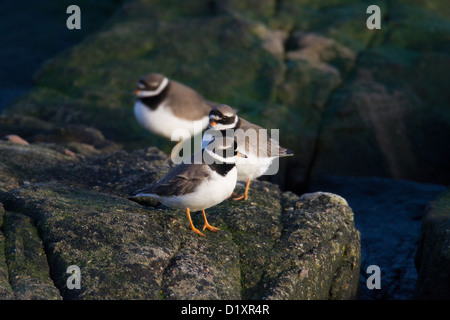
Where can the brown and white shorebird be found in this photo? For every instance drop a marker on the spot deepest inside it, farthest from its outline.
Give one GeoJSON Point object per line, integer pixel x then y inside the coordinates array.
{"type": "Point", "coordinates": [198, 186]}
{"type": "Point", "coordinates": [260, 152]}
{"type": "Point", "coordinates": [164, 105]}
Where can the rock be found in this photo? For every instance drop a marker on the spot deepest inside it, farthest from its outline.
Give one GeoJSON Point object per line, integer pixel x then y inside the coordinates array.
{"type": "Point", "coordinates": [28, 270]}
{"type": "Point", "coordinates": [388, 213]}
{"type": "Point", "coordinates": [433, 255]}
{"type": "Point", "coordinates": [118, 173]}
{"type": "Point", "coordinates": [272, 40]}
{"type": "Point", "coordinates": [315, 67]}
{"type": "Point", "coordinates": [6, 292]}
{"type": "Point", "coordinates": [390, 121]}
{"type": "Point", "coordinates": [80, 95]}
{"type": "Point", "coordinates": [261, 251]}
{"type": "Point", "coordinates": [391, 102]}
{"type": "Point", "coordinates": [24, 271]}
{"type": "Point", "coordinates": [76, 136]}
{"type": "Point", "coordinates": [312, 63]}
{"type": "Point", "coordinates": [252, 9]}
{"type": "Point", "coordinates": [113, 243]}
{"type": "Point", "coordinates": [274, 246]}
{"type": "Point", "coordinates": [306, 68]}
{"type": "Point", "coordinates": [21, 164]}
{"type": "Point", "coordinates": [325, 53]}
{"type": "Point", "coordinates": [336, 90]}
{"type": "Point", "coordinates": [307, 267]}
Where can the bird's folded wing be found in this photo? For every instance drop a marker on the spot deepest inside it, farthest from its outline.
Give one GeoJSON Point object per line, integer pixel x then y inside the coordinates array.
{"type": "Point", "coordinates": [262, 144]}
{"type": "Point", "coordinates": [182, 179]}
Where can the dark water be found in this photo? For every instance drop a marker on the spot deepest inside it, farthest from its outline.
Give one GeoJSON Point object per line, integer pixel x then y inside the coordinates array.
{"type": "Point", "coordinates": [388, 213]}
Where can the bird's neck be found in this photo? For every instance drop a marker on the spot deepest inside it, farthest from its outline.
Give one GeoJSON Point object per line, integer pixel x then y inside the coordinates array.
{"type": "Point", "coordinates": [218, 164]}
{"type": "Point", "coordinates": [153, 102]}
{"type": "Point", "coordinates": [222, 168]}
{"type": "Point", "coordinates": [234, 127]}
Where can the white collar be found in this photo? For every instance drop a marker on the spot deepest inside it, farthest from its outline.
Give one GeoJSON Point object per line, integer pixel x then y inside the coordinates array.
{"type": "Point", "coordinates": [149, 93]}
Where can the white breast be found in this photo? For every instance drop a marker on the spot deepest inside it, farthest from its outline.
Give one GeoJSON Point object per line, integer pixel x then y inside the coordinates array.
{"type": "Point", "coordinates": [208, 194]}
{"type": "Point", "coordinates": [163, 122]}
{"type": "Point", "coordinates": [252, 167]}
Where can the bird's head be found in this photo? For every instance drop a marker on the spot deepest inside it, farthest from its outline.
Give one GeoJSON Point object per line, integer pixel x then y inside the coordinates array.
{"type": "Point", "coordinates": [151, 85]}
{"type": "Point", "coordinates": [222, 117]}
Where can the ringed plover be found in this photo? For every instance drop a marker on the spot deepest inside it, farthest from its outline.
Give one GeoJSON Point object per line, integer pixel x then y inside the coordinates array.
{"type": "Point", "coordinates": [198, 186]}
{"type": "Point", "coordinates": [164, 105]}
{"type": "Point", "coordinates": [260, 151]}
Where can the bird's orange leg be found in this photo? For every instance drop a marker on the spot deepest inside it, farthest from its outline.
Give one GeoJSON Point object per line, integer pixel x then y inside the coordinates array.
{"type": "Point", "coordinates": [207, 225]}
{"type": "Point", "coordinates": [245, 195]}
{"type": "Point", "coordinates": [192, 225]}
{"type": "Point", "coordinates": [234, 194]}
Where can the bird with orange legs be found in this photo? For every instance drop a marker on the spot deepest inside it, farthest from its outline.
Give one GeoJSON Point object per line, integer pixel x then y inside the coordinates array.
{"type": "Point", "coordinates": [198, 185]}
{"type": "Point", "coordinates": [253, 141]}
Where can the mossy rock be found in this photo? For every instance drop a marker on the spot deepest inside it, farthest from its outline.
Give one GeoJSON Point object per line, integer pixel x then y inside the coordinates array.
{"type": "Point", "coordinates": [220, 48]}
{"type": "Point", "coordinates": [75, 208]}
{"type": "Point", "coordinates": [433, 255]}
{"type": "Point", "coordinates": [127, 251]}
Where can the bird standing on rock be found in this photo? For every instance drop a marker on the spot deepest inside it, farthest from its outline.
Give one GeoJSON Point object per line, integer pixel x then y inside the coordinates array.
{"type": "Point", "coordinates": [198, 186]}
{"type": "Point", "coordinates": [261, 151]}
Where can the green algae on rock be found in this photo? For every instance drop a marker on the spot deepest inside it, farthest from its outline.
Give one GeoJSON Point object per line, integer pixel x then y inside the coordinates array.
{"type": "Point", "coordinates": [433, 255]}
{"type": "Point", "coordinates": [127, 251]}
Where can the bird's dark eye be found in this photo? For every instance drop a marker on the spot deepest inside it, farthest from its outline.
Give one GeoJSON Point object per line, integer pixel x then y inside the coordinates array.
{"type": "Point", "coordinates": [225, 118]}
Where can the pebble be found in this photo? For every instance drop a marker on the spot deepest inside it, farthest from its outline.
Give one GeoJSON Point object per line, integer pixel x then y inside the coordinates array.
{"type": "Point", "coordinates": [15, 139]}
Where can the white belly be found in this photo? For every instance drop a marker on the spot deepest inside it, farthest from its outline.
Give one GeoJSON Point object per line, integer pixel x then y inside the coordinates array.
{"type": "Point", "coordinates": [163, 122]}
{"type": "Point", "coordinates": [207, 194]}
{"type": "Point", "coordinates": [252, 167]}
